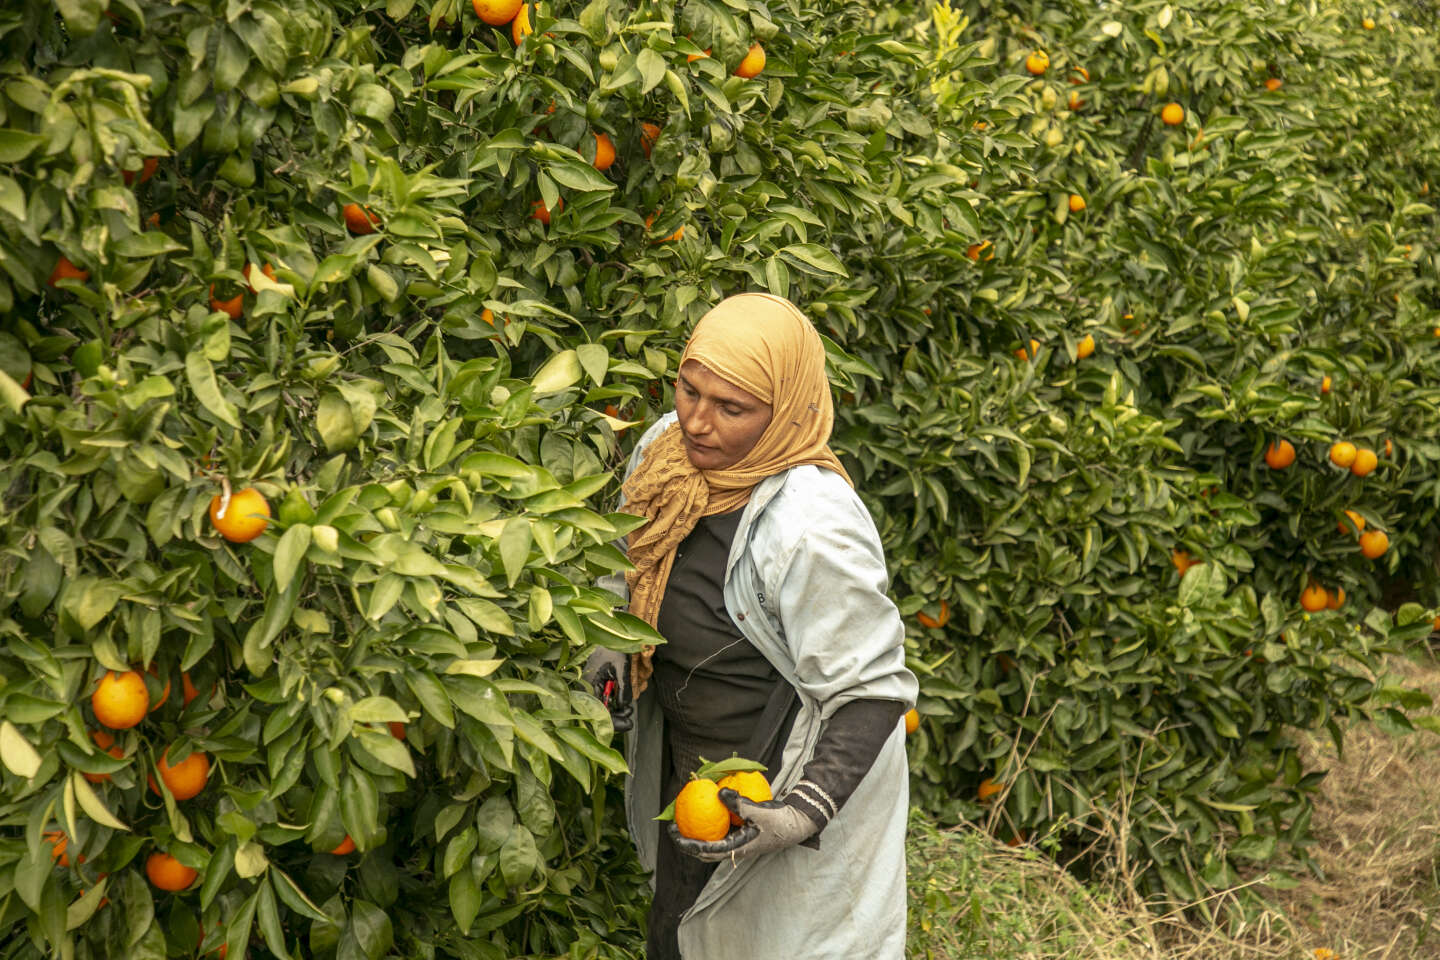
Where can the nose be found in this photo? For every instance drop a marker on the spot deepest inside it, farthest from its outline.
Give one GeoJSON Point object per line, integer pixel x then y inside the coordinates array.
{"type": "Point", "coordinates": [695, 421]}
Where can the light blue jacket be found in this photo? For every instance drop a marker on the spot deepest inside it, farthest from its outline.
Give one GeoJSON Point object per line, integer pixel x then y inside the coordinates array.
{"type": "Point", "coordinates": [806, 584]}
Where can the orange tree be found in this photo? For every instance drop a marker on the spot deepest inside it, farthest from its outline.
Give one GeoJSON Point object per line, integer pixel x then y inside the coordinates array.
{"type": "Point", "coordinates": [1126, 567]}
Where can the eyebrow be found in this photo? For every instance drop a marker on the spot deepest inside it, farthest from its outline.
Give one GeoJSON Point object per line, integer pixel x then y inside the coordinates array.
{"type": "Point", "coordinates": [732, 401]}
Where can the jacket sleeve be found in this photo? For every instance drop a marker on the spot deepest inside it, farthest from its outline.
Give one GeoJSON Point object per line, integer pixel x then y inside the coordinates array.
{"type": "Point", "coordinates": [843, 633]}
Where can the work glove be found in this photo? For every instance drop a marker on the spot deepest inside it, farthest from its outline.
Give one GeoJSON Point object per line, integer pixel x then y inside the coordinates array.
{"type": "Point", "coordinates": [766, 826]}
{"type": "Point", "coordinates": [608, 674]}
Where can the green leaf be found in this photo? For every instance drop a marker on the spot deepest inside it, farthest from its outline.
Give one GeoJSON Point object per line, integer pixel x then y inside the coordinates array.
{"type": "Point", "coordinates": [16, 145]}
{"type": "Point", "coordinates": [19, 757]}
{"type": "Point", "coordinates": [515, 540]}
{"type": "Point", "coordinates": [201, 375]}
{"type": "Point", "coordinates": [387, 750]}
{"type": "Point", "coordinates": [290, 553]}
{"type": "Point", "coordinates": [558, 373]}
{"type": "Point", "coordinates": [336, 423]}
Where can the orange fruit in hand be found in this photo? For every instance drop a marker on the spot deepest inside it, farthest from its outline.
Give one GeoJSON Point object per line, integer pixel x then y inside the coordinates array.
{"type": "Point", "coordinates": [1037, 63]}
{"type": "Point", "coordinates": [186, 778]}
{"type": "Point", "coordinates": [244, 519]}
{"type": "Point", "coordinates": [65, 270]}
{"type": "Point", "coordinates": [604, 152]}
{"type": "Point", "coordinates": [121, 700]}
{"type": "Point", "coordinates": [988, 789]}
{"type": "Point", "coordinates": [1355, 518]}
{"type": "Point", "coordinates": [1374, 543]}
{"type": "Point", "coordinates": [1365, 462]}
{"type": "Point", "coordinates": [496, 12]}
{"type": "Point", "coordinates": [650, 132]}
{"type": "Point", "coordinates": [1077, 203]}
{"type": "Point", "coordinates": [520, 27]}
{"type": "Point", "coordinates": [167, 873]}
{"type": "Point", "coordinates": [699, 814]}
{"type": "Point", "coordinates": [1342, 454]}
{"type": "Point", "coordinates": [344, 846]}
{"type": "Point", "coordinates": [934, 623]}
{"type": "Point", "coordinates": [1085, 347]}
{"type": "Point", "coordinates": [359, 220]}
{"type": "Point", "coordinates": [750, 784]}
{"type": "Point", "coordinates": [753, 63]}
{"type": "Point", "coordinates": [1173, 115]}
{"type": "Point", "coordinates": [105, 742]}
{"type": "Point", "coordinates": [1314, 598]}
{"type": "Point", "coordinates": [1279, 455]}
{"type": "Point", "coordinates": [912, 721]}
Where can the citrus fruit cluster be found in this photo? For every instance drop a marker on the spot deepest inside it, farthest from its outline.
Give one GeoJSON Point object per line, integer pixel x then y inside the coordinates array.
{"type": "Point", "coordinates": [699, 813]}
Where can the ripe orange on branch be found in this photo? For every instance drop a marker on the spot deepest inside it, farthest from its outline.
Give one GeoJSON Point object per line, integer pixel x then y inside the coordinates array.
{"type": "Point", "coordinates": [344, 846]}
{"type": "Point", "coordinates": [1342, 454]}
{"type": "Point", "coordinates": [649, 133]}
{"type": "Point", "coordinates": [185, 779]}
{"type": "Point", "coordinates": [699, 814]}
{"type": "Point", "coordinates": [1355, 518]}
{"type": "Point", "coordinates": [65, 270]}
{"type": "Point", "coordinates": [604, 152]}
{"type": "Point", "coordinates": [1280, 454]}
{"type": "Point", "coordinates": [1172, 115]}
{"type": "Point", "coordinates": [1077, 203]}
{"type": "Point", "coordinates": [520, 27]}
{"type": "Point", "coordinates": [105, 742]}
{"type": "Point", "coordinates": [1313, 598]}
{"type": "Point", "coordinates": [496, 12]}
{"type": "Point", "coordinates": [1273, 83]}
{"type": "Point", "coordinates": [540, 212]}
{"type": "Point", "coordinates": [232, 308]}
{"type": "Point", "coordinates": [268, 270]}
{"type": "Point", "coordinates": [1365, 462]}
{"type": "Point", "coordinates": [121, 700]}
{"type": "Point", "coordinates": [1086, 346]}
{"type": "Point", "coordinates": [753, 63]}
{"type": "Point", "coordinates": [934, 623]}
{"type": "Point", "coordinates": [244, 518]}
{"type": "Point", "coordinates": [1374, 543]}
{"type": "Point", "coordinates": [167, 873]}
{"type": "Point", "coordinates": [359, 220]}
{"type": "Point", "coordinates": [1037, 63]}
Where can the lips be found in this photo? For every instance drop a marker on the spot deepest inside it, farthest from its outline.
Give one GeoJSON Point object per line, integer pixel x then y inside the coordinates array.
{"type": "Point", "coordinates": [698, 446]}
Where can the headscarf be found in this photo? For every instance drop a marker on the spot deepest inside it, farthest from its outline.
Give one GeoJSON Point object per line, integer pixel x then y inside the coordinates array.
{"type": "Point", "coordinates": [764, 345]}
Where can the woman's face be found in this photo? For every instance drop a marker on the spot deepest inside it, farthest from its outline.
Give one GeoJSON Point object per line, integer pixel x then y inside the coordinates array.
{"type": "Point", "coordinates": [719, 422]}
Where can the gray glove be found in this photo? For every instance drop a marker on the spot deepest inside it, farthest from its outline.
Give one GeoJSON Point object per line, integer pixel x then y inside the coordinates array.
{"type": "Point", "coordinates": [608, 674]}
{"type": "Point", "coordinates": [768, 826]}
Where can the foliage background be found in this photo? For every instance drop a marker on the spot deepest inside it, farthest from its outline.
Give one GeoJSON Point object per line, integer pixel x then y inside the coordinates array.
{"type": "Point", "coordinates": [424, 408]}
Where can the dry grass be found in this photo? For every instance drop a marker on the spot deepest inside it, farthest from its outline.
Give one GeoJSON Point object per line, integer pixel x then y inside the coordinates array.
{"type": "Point", "coordinates": [1377, 845]}
{"type": "Point", "coordinates": [1377, 832]}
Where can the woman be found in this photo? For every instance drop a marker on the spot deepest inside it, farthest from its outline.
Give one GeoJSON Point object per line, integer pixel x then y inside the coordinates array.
{"type": "Point", "coordinates": [764, 572]}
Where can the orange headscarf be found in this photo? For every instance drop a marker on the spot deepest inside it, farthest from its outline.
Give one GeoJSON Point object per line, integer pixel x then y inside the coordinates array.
{"type": "Point", "coordinates": [764, 345]}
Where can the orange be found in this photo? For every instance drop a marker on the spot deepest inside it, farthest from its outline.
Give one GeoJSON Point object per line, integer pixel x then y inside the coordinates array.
{"type": "Point", "coordinates": [1335, 600]}
{"type": "Point", "coordinates": [359, 220]}
{"type": "Point", "coordinates": [976, 249]}
{"type": "Point", "coordinates": [750, 784]}
{"type": "Point", "coordinates": [1182, 561]}
{"type": "Point", "coordinates": [604, 152]}
{"type": "Point", "coordinates": [65, 270]}
{"type": "Point", "coordinates": [147, 170]}
{"type": "Point", "coordinates": [58, 844]}
{"type": "Point", "coordinates": [1173, 115]}
{"type": "Point", "coordinates": [186, 778]}
{"type": "Point", "coordinates": [1314, 598]}
{"type": "Point", "coordinates": [1085, 347]}
{"type": "Point", "coordinates": [540, 212]}
{"type": "Point", "coordinates": [496, 12]}
{"type": "Point", "coordinates": [121, 700]}
{"type": "Point", "coordinates": [753, 63]}
{"type": "Point", "coordinates": [164, 694]}
{"type": "Point", "coordinates": [1325, 383]}
{"type": "Point", "coordinates": [692, 57]}
{"type": "Point", "coordinates": [1280, 454]}
{"type": "Point", "coordinates": [1355, 518]}
{"type": "Point", "coordinates": [1084, 75]}
{"type": "Point", "coordinates": [1034, 351]}
{"type": "Point", "coordinates": [1077, 203]}
{"type": "Point", "coordinates": [1367, 23]}
{"type": "Point", "coordinates": [231, 308]}
{"type": "Point", "coordinates": [1273, 83]}
{"type": "Point", "coordinates": [1037, 63]}
{"type": "Point", "coordinates": [397, 729]}
{"type": "Point", "coordinates": [268, 270]}
{"type": "Point", "coordinates": [1342, 454]}
{"type": "Point", "coordinates": [912, 720]}
{"type": "Point", "coordinates": [105, 742]}
{"type": "Point", "coordinates": [699, 814]}
{"type": "Point", "coordinates": [1374, 543]}
{"type": "Point", "coordinates": [345, 846]}
{"type": "Point", "coordinates": [1389, 448]}
{"type": "Point", "coordinates": [187, 689]}
{"type": "Point", "coordinates": [650, 132]}
{"type": "Point", "coordinates": [244, 519]}
{"type": "Point", "coordinates": [988, 789]}
{"type": "Point", "coordinates": [1075, 101]}
{"type": "Point", "coordinates": [167, 873]}
{"type": "Point", "coordinates": [934, 623]}
{"type": "Point", "coordinates": [520, 27]}
{"type": "Point", "coordinates": [1365, 462]}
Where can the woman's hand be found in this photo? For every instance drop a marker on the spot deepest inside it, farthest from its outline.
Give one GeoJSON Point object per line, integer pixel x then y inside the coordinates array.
{"type": "Point", "coordinates": [608, 674]}
{"type": "Point", "coordinates": [767, 826]}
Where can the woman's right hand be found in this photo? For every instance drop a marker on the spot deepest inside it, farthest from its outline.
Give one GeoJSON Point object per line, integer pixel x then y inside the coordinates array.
{"type": "Point", "coordinates": [608, 674]}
